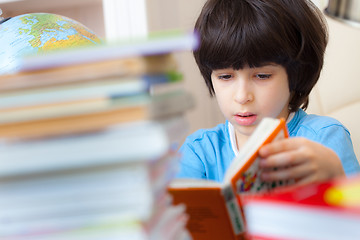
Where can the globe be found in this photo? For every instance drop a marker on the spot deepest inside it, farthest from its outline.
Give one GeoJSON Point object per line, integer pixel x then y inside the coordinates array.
{"type": "Point", "coordinates": [35, 33]}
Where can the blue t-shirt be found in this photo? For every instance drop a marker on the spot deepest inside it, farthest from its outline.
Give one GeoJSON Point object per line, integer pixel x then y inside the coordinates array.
{"type": "Point", "coordinates": [207, 153]}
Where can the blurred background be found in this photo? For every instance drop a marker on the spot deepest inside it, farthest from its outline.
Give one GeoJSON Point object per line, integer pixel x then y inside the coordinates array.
{"type": "Point", "coordinates": [337, 93]}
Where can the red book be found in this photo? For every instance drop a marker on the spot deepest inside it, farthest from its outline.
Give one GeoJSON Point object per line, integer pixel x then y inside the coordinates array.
{"type": "Point", "coordinates": [322, 211]}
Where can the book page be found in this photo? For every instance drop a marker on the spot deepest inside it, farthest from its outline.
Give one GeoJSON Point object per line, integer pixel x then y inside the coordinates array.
{"type": "Point", "coordinates": [194, 183]}
{"type": "Point", "coordinates": [250, 181]}
{"type": "Point", "coordinates": [256, 140]}
{"type": "Point", "coordinates": [244, 172]}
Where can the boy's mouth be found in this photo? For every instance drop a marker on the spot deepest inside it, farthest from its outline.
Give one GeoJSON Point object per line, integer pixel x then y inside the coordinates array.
{"type": "Point", "coordinates": [245, 118]}
{"type": "Point", "coordinates": [245, 114]}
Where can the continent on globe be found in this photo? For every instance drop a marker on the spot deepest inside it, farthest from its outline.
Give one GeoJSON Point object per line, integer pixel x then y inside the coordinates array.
{"type": "Point", "coordinates": [35, 33]}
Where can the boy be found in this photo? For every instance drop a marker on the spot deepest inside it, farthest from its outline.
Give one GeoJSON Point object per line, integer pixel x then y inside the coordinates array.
{"type": "Point", "coordinates": [261, 58]}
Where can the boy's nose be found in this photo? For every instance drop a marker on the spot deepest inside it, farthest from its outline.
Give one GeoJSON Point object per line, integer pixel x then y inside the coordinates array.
{"type": "Point", "coordinates": [243, 93]}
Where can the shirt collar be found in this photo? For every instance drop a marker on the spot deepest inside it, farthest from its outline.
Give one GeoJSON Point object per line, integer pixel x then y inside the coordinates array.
{"type": "Point", "coordinates": [290, 121]}
{"type": "Point", "coordinates": [293, 122]}
{"type": "Point", "coordinates": [232, 138]}
{"type": "Point", "coordinates": [290, 117]}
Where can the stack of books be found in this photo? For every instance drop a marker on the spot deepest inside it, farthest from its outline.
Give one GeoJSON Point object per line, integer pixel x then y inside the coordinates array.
{"type": "Point", "coordinates": [88, 145]}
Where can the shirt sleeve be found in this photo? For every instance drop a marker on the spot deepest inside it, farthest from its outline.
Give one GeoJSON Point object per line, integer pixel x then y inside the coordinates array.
{"type": "Point", "coordinates": [191, 165]}
{"type": "Point", "coordinates": [338, 139]}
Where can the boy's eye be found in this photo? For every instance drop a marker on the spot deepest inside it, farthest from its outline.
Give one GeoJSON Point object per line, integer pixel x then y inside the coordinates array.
{"type": "Point", "coordinates": [263, 76]}
{"type": "Point", "coordinates": [225, 77]}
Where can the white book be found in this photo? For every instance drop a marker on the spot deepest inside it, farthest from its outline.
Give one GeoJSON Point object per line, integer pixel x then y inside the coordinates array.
{"type": "Point", "coordinates": [102, 88]}
{"type": "Point", "coordinates": [122, 230]}
{"type": "Point", "coordinates": [169, 225]}
{"type": "Point", "coordinates": [111, 226]}
{"type": "Point", "coordinates": [152, 46]}
{"type": "Point", "coordinates": [47, 203]}
{"type": "Point", "coordinates": [40, 189]}
{"type": "Point", "coordinates": [137, 141]}
{"type": "Point", "coordinates": [106, 88]}
{"type": "Point", "coordinates": [129, 190]}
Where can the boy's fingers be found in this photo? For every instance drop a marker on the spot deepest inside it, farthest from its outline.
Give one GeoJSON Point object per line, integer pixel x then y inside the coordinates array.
{"type": "Point", "coordinates": [281, 146]}
{"type": "Point", "coordinates": [300, 172]}
{"type": "Point", "coordinates": [282, 159]}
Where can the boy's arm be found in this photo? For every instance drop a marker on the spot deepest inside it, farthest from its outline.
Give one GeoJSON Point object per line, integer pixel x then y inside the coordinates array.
{"type": "Point", "coordinates": [338, 139]}
{"type": "Point", "coordinates": [190, 164]}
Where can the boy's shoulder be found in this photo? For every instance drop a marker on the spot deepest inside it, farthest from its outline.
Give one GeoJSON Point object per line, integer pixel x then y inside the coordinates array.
{"type": "Point", "coordinates": [219, 132]}
{"type": "Point", "coordinates": [312, 122]}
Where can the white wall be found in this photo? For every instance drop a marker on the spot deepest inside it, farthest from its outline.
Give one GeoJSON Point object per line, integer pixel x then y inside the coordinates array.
{"type": "Point", "coordinates": [337, 93]}
{"type": "Point", "coordinates": [320, 3]}
{"type": "Point", "coordinates": [181, 14]}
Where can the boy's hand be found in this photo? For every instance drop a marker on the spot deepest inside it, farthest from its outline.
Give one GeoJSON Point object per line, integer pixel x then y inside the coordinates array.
{"type": "Point", "coordinates": [301, 159]}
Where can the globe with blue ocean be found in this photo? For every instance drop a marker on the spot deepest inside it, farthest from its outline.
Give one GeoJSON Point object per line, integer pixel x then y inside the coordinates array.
{"type": "Point", "coordinates": [36, 33]}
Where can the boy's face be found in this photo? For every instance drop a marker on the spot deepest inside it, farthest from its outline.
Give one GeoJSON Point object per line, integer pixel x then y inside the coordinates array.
{"type": "Point", "coordinates": [248, 95]}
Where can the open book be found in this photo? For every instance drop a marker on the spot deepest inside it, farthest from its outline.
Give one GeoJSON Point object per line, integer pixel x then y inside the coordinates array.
{"type": "Point", "coordinates": [215, 208]}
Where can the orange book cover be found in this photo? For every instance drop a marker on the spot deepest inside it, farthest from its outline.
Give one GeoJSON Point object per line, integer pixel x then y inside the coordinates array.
{"type": "Point", "coordinates": [215, 209]}
{"type": "Point", "coordinates": [206, 208]}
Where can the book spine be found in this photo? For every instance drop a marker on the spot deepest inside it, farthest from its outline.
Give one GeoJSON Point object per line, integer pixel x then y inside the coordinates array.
{"type": "Point", "coordinates": [233, 210]}
{"type": "Point", "coordinates": [81, 150]}
{"type": "Point", "coordinates": [154, 46]}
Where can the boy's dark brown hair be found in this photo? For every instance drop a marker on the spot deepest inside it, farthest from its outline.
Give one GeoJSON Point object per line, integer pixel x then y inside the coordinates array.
{"type": "Point", "coordinates": [291, 33]}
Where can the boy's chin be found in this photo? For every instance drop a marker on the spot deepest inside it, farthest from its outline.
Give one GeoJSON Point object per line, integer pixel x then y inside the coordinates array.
{"type": "Point", "coordinates": [245, 131]}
